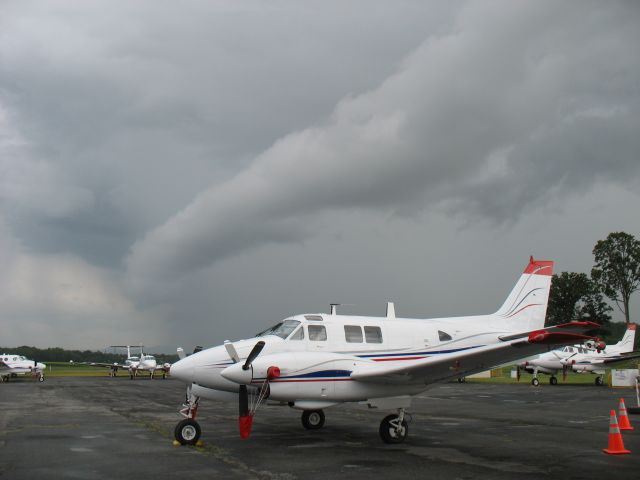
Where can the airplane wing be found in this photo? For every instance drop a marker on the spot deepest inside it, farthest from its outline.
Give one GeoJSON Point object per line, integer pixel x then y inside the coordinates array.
{"type": "Point", "coordinates": [622, 358]}
{"type": "Point", "coordinates": [466, 362]}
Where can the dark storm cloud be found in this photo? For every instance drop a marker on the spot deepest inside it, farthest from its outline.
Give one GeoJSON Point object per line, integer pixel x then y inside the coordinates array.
{"type": "Point", "coordinates": [518, 101]}
{"type": "Point", "coordinates": [167, 171]}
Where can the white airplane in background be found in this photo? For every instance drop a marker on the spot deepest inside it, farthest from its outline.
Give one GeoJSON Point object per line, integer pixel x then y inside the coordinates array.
{"type": "Point", "coordinates": [590, 358]}
{"type": "Point", "coordinates": [134, 364]}
{"type": "Point", "coordinates": [314, 361]}
{"type": "Point", "coordinates": [12, 365]}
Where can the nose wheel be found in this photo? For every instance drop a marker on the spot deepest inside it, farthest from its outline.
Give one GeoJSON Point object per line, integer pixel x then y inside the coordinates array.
{"type": "Point", "coordinates": [394, 428]}
{"type": "Point", "coordinates": [187, 432]}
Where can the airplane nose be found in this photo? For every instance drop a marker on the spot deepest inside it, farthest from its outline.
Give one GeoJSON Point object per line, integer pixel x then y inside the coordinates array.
{"type": "Point", "coordinates": [182, 370]}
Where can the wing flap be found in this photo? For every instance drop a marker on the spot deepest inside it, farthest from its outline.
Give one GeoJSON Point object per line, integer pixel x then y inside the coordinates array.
{"type": "Point", "coordinates": [571, 328]}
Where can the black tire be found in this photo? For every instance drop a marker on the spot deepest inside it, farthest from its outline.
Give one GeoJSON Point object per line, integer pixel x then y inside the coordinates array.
{"type": "Point", "coordinates": [41, 378]}
{"type": "Point", "coordinates": [535, 382]}
{"type": "Point", "coordinates": [389, 433]}
{"type": "Point", "coordinates": [553, 381]}
{"type": "Point", "coordinates": [599, 381]}
{"type": "Point", "coordinates": [461, 379]}
{"type": "Point", "coordinates": [312, 419]}
{"type": "Point", "coordinates": [187, 432]}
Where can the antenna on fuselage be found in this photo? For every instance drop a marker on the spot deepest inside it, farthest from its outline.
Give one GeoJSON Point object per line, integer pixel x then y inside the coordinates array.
{"type": "Point", "coordinates": [391, 311]}
{"type": "Point", "coordinates": [334, 308]}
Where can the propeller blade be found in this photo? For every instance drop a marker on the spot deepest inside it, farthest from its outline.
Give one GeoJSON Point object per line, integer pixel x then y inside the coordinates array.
{"type": "Point", "coordinates": [564, 372]}
{"type": "Point", "coordinates": [518, 373]}
{"type": "Point", "coordinates": [231, 351]}
{"type": "Point", "coordinates": [243, 397]}
{"type": "Point", "coordinates": [257, 348]}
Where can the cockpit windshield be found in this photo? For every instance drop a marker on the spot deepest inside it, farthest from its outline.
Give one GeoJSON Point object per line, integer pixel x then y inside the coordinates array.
{"type": "Point", "coordinates": [282, 329]}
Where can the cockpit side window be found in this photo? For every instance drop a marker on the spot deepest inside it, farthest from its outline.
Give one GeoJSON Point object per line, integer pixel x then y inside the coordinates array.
{"type": "Point", "coordinates": [282, 329]}
{"type": "Point", "coordinates": [317, 333]}
{"type": "Point", "coordinates": [298, 334]}
{"type": "Point", "coordinates": [444, 336]}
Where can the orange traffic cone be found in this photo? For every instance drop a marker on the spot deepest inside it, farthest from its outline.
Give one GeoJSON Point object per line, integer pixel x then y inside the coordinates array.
{"type": "Point", "coordinates": [625, 424]}
{"type": "Point", "coordinates": [616, 446]}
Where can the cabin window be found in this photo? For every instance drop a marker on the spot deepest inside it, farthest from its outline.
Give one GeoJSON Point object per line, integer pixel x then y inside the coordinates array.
{"type": "Point", "coordinates": [298, 334]}
{"type": "Point", "coordinates": [353, 333]}
{"type": "Point", "coordinates": [313, 318]}
{"type": "Point", "coordinates": [373, 334]}
{"type": "Point", "coordinates": [444, 336]}
{"type": "Point", "coordinates": [317, 333]}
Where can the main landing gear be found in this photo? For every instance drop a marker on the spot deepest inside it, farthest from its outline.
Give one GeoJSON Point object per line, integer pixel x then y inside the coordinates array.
{"type": "Point", "coordinates": [312, 419]}
{"type": "Point", "coordinates": [394, 428]}
{"type": "Point", "coordinates": [553, 380]}
{"type": "Point", "coordinates": [599, 381]}
{"type": "Point", "coordinates": [187, 431]}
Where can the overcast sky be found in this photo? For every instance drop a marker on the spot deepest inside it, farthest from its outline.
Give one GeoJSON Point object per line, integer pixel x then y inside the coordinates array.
{"type": "Point", "coordinates": [180, 173]}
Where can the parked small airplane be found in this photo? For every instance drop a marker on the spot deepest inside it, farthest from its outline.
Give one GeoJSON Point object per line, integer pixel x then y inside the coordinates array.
{"type": "Point", "coordinates": [135, 364]}
{"type": "Point", "coordinates": [314, 361]}
{"type": "Point", "coordinates": [12, 365]}
{"type": "Point", "coordinates": [588, 358]}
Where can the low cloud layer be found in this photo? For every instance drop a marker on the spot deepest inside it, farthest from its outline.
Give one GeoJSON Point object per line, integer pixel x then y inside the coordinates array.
{"type": "Point", "coordinates": [485, 121]}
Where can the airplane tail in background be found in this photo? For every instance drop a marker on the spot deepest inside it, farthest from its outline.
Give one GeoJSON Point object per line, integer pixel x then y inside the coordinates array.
{"type": "Point", "coordinates": [526, 306]}
{"type": "Point", "coordinates": [626, 344]}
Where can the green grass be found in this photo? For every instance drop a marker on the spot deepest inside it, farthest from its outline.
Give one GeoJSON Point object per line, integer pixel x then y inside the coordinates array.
{"type": "Point", "coordinates": [65, 369]}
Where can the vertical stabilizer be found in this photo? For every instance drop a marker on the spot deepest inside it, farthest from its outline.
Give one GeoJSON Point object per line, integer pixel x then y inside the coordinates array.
{"type": "Point", "coordinates": [526, 306]}
{"type": "Point", "coordinates": [626, 344]}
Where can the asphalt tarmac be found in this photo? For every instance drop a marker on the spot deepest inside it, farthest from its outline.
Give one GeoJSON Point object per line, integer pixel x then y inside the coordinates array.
{"type": "Point", "coordinates": [115, 428]}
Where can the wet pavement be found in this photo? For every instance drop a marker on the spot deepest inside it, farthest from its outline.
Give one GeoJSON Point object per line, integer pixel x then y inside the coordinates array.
{"type": "Point", "coordinates": [105, 428]}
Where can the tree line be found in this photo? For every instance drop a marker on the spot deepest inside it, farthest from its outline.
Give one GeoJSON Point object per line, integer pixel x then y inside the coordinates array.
{"type": "Point", "coordinates": [57, 354]}
{"type": "Point", "coordinates": [615, 275]}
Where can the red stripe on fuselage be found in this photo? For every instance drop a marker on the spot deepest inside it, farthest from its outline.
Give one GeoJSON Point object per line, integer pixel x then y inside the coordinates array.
{"type": "Point", "coordinates": [397, 358]}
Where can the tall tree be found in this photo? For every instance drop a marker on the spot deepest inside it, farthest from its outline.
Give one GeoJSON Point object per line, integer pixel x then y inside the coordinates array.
{"type": "Point", "coordinates": [567, 289]}
{"type": "Point", "coordinates": [617, 268]}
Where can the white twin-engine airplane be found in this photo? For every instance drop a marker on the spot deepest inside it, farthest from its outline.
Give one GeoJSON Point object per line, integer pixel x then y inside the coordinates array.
{"type": "Point", "coordinates": [590, 358]}
{"type": "Point", "coordinates": [12, 365]}
{"type": "Point", "coordinates": [314, 361]}
{"type": "Point", "coordinates": [134, 364]}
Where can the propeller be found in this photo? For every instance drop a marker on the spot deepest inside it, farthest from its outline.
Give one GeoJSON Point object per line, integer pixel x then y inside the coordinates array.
{"type": "Point", "coordinates": [564, 372]}
{"type": "Point", "coordinates": [255, 351]}
{"type": "Point", "coordinates": [517, 373]}
{"type": "Point", "coordinates": [245, 418]}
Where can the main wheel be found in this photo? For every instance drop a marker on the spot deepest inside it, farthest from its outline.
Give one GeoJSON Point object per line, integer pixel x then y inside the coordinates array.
{"type": "Point", "coordinates": [391, 431]}
{"type": "Point", "coordinates": [41, 378]}
{"type": "Point", "coordinates": [187, 432]}
{"type": "Point", "coordinates": [461, 379]}
{"type": "Point", "coordinates": [599, 381]}
{"type": "Point", "coordinates": [553, 381]}
{"type": "Point", "coordinates": [535, 382]}
{"type": "Point", "coordinates": [313, 419]}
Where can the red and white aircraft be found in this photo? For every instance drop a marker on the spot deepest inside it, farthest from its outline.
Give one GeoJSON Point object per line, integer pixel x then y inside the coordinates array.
{"type": "Point", "coordinates": [314, 361]}
{"type": "Point", "coordinates": [12, 365]}
{"type": "Point", "coordinates": [590, 358]}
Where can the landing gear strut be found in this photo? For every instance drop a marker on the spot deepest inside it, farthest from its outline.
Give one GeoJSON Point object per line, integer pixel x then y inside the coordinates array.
{"type": "Point", "coordinates": [394, 428]}
{"type": "Point", "coordinates": [534, 381]}
{"type": "Point", "coordinates": [313, 419]}
{"type": "Point", "coordinates": [187, 431]}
